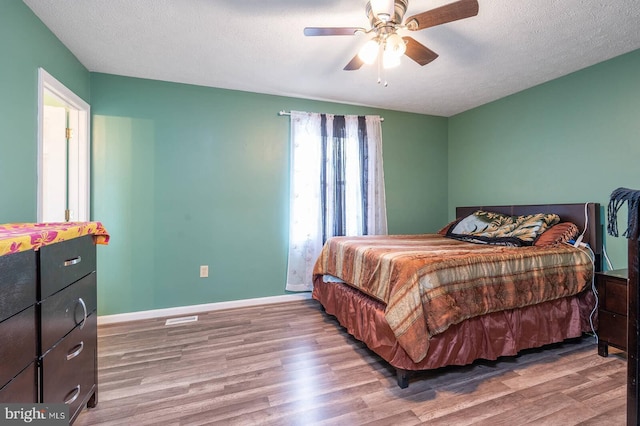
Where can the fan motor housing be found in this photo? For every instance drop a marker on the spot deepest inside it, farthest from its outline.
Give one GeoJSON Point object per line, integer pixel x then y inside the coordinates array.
{"type": "Point", "coordinates": [399, 11]}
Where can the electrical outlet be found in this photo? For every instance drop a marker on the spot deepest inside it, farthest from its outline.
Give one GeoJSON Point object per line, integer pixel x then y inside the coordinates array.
{"type": "Point", "coordinates": [204, 271]}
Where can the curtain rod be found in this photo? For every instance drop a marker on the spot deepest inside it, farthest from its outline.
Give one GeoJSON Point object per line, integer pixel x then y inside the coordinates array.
{"type": "Point", "coordinates": [283, 112]}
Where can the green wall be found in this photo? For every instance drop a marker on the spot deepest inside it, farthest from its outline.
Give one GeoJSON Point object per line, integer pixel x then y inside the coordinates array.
{"type": "Point", "coordinates": [25, 45]}
{"type": "Point", "coordinates": [186, 175]}
{"type": "Point", "coordinates": [573, 139]}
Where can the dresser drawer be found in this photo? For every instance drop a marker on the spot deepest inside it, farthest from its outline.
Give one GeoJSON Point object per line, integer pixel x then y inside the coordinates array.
{"type": "Point", "coordinates": [22, 389]}
{"type": "Point", "coordinates": [613, 329]}
{"type": "Point", "coordinates": [17, 343]}
{"type": "Point", "coordinates": [64, 263]}
{"type": "Point", "coordinates": [68, 370]}
{"type": "Point", "coordinates": [616, 296]}
{"type": "Point", "coordinates": [64, 310]}
{"type": "Point", "coordinates": [17, 282]}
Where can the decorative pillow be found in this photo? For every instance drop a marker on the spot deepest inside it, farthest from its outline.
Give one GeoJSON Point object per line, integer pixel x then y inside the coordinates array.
{"type": "Point", "coordinates": [480, 222]}
{"type": "Point", "coordinates": [563, 232]}
{"type": "Point", "coordinates": [485, 228]}
{"type": "Point", "coordinates": [527, 228]}
{"type": "Point", "coordinates": [448, 226]}
{"type": "Point", "coordinates": [497, 228]}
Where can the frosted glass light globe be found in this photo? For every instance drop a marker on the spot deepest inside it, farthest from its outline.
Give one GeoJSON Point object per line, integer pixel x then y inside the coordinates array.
{"type": "Point", "coordinates": [369, 52]}
{"type": "Point", "coordinates": [395, 44]}
{"type": "Point", "coordinates": [390, 59]}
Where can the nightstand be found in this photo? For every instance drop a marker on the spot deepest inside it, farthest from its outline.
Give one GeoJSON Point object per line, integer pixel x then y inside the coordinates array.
{"type": "Point", "coordinates": [612, 310]}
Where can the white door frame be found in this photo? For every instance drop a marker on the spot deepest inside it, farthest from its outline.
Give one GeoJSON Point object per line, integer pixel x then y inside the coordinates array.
{"type": "Point", "coordinates": [50, 83]}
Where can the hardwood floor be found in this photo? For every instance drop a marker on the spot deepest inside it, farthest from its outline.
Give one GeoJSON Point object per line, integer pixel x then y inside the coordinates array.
{"type": "Point", "coordinates": [291, 364]}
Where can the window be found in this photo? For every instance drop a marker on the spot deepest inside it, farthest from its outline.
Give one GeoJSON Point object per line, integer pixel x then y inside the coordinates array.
{"type": "Point", "coordinates": [337, 186]}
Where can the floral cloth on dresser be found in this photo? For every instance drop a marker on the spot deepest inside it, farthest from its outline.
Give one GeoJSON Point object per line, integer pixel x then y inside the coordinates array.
{"type": "Point", "coordinates": [16, 237]}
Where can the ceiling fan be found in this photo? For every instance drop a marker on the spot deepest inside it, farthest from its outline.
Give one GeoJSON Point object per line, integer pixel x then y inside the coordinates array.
{"type": "Point", "coordinates": [386, 17]}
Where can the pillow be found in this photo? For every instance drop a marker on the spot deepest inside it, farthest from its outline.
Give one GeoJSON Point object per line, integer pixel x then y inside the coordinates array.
{"type": "Point", "coordinates": [448, 226]}
{"type": "Point", "coordinates": [497, 228]}
{"type": "Point", "coordinates": [480, 222]}
{"type": "Point", "coordinates": [485, 228]}
{"type": "Point", "coordinates": [528, 228]}
{"type": "Point", "coordinates": [563, 232]}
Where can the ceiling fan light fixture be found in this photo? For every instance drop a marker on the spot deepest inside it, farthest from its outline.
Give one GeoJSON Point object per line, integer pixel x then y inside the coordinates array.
{"type": "Point", "coordinates": [369, 52]}
{"type": "Point", "coordinates": [383, 9]}
{"type": "Point", "coordinates": [386, 19]}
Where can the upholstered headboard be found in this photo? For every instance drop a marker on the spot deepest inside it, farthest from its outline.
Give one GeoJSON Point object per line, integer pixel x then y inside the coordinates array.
{"type": "Point", "coordinates": [575, 213]}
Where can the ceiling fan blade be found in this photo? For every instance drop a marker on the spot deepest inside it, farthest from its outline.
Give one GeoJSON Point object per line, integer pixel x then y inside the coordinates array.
{"type": "Point", "coordinates": [418, 52]}
{"type": "Point", "coordinates": [354, 64]}
{"type": "Point", "coordinates": [329, 31]}
{"type": "Point", "coordinates": [441, 15]}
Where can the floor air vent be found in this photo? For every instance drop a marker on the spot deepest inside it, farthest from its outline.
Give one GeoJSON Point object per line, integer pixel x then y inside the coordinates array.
{"type": "Point", "coordinates": [181, 320]}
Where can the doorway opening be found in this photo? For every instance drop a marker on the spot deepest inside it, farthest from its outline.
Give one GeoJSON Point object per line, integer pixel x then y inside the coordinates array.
{"type": "Point", "coordinates": [63, 153]}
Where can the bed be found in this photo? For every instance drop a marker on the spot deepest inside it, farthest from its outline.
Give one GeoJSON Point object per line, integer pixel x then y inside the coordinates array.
{"type": "Point", "coordinates": [408, 307]}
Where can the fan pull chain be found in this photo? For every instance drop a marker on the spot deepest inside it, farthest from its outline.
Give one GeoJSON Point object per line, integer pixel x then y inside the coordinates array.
{"type": "Point", "coordinates": [380, 68]}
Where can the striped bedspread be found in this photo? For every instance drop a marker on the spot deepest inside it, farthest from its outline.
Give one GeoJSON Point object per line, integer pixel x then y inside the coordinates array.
{"type": "Point", "coordinates": [429, 282]}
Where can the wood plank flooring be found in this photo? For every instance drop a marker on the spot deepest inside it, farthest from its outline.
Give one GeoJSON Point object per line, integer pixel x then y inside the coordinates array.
{"type": "Point", "coordinates": [291, 364]}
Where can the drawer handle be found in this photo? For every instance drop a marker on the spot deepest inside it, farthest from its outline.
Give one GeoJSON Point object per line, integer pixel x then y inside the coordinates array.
{"type": "Point", "coordinates": [75, 393]}
{"type": "Point", "coordinates": [78, 348]}
{"type": "Point", "coordinates": [73, 261]}
{"type": "Point", "coordinates": [84, 311]}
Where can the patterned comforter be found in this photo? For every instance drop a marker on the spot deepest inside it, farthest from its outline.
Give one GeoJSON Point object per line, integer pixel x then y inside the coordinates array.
{"type": "Point", "coordinates": [429, 282]}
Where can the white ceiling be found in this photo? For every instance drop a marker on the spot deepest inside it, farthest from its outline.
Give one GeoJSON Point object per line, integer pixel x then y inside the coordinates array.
{"type": "Point", "coordinates": [259, 46]}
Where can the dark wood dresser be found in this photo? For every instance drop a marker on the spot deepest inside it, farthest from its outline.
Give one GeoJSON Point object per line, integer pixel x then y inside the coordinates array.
{"type": "Point", "coordinates": [612, 310]}
{"type": "Point", "coordinates": [48, 312]}
{"type": "Point", "coordinates": [68, 325]}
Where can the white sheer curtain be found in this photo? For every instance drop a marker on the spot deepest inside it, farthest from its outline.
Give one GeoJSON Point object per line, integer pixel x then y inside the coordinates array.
{"type": "Point", "coordinates": [337, 186]}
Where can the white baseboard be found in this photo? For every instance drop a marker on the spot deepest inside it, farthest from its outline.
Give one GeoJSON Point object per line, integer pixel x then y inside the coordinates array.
{"type": "Point", "coordinates": [187, 310]}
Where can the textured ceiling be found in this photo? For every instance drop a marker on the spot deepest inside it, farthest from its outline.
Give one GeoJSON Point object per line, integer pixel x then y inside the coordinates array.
{"type": "Point", "coordinates": [258, 46]}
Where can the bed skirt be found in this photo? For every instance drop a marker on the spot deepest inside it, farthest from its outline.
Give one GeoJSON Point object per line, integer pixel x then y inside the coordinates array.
{"type": "Point", "coordinates": [486, 337]}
